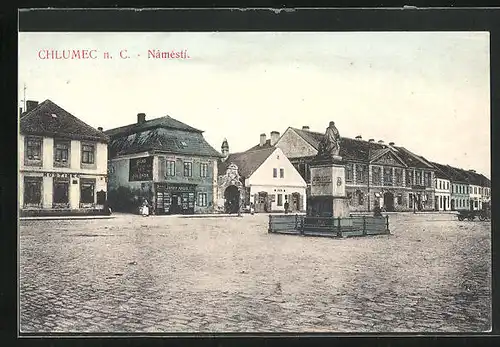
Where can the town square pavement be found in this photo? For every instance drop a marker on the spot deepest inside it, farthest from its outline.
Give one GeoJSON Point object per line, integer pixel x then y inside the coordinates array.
{"type": "Point", "coordinates": [228, 274]}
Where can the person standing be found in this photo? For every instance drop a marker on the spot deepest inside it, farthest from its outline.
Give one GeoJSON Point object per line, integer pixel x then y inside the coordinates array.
{"type": "Point", "coordinates": [145, 208]}
{"type": "Point", "coordinates": [287, 206]}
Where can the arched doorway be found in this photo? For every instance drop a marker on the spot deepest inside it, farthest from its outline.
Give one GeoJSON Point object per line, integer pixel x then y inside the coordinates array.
{"type": "Point", "coordinates": [232, 197]}
{"type": "Point", "coordinates": [453, 204]}
{"type": "Point", "coordinates": [295, 204]}
{"type": "Point", "coordinates": [389, 201]}
{"type": "Point", "coordinates": [262, 202]}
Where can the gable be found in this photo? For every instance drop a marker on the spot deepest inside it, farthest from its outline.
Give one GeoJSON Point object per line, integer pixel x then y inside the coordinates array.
{"type": "Point", "coordinates": [388, 158]}
{"type": "Point", "coordinates": [293, 145]}
{"type": "Point", "coordinates": [277, 160]}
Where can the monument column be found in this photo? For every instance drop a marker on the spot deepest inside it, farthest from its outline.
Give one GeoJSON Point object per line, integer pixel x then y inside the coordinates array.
{"type": "Point", "coordinates": [328, 195]}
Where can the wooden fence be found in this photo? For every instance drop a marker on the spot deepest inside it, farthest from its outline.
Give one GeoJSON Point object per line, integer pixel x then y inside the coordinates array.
{"type": "Point", "coordinates": [328, 226]}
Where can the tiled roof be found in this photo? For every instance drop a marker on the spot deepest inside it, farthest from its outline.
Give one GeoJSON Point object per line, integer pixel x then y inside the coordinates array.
{"type": "Point", "coordinates": [457, 175]}
{"type": "Point", "coordinates": [162, 122]}
{"type": "Point", "coordinates": [360, 150]}
{"type": "Point", "coordinates": [267, 144]}
{"type": "Point", "coordinates": [49, 119]}
{"type": "Point", "coordinates": [441, 171]}
{"type": "Point", "coordinates": [248, 162]}
{"type": "Point", "coordinates": [413, 160]}
{"type": "Point", "coordinates": [161, 139]}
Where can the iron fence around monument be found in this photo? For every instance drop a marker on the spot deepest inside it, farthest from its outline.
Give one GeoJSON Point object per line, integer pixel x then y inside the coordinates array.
{"type": "Point", "coordinates": [328, 226]}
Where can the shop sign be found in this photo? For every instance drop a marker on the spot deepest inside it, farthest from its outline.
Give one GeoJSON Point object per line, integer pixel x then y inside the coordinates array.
{"type": "Point", "coordinates": [173, 187]}
{"type": "Point", "coordinates": [60, 174]}
{"type": "Point", "coordinates": [141, 169]}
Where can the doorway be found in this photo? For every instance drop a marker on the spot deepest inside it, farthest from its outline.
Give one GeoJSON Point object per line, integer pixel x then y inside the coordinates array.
{"type": "Point", "coordinates": [262, 202]}
{"type": "Point", "coordinates": [232, 197]}
{"type": "Point", "coordinates": [389, 201]}
{"type": "Point", "coordinates": [295, 203]}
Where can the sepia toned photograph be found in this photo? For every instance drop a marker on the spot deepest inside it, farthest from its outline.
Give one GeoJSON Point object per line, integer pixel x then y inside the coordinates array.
{"type": "Point", "coordinates": [253, 182]}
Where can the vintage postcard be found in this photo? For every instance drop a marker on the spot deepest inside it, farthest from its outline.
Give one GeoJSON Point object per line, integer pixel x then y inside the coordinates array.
{"type": "Point", "coordinates": [291, 182]}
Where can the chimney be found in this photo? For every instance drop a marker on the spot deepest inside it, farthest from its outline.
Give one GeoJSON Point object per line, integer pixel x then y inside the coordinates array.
{"type": "Point", "coordinates": [391, 143]}
{"type": "Point", "coordinates": [262, 139]}
{"type": "Point", "coordinates": [141, 118]}
{"type": "Point", "coordinates": [275, 135]}
{"type": "Point", "coordinates": [99, 128]}
{"type": "Point", "coordinates": [371, 140]}
{"type": "Point", "coordinates": [380, 141]}
{"type": "Point", "coordinates": [359, 137]}
{"type": "Point", "coordinates": [30, 105]}
{"type": "Point", "coordinates": [305, 127]}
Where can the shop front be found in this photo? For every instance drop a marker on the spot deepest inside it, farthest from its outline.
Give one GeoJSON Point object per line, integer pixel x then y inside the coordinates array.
{"type": "Point", "coordinates": [175, 198]}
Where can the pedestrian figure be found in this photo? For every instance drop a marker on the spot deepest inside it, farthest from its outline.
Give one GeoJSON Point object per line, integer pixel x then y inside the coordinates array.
{"type": "Point", "coordinates": [377, 212]}
{"type": "Point", "coordinates": [252, 208]}
{"type": "Point", "coordinates": [287, 205]}
{"type": "Point", "coordinates": [145, 208]}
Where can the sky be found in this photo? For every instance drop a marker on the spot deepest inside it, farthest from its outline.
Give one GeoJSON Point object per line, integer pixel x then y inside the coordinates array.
{"type": "Point", "coordinates": [426, 91]}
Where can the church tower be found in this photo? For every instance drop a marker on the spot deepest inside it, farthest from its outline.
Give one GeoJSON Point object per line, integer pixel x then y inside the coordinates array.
{"type": "Point", "coordinates": [225, 149]}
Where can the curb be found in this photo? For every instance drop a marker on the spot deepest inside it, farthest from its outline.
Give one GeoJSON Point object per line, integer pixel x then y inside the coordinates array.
{"type": "Point", "coordinates": [65, 218]}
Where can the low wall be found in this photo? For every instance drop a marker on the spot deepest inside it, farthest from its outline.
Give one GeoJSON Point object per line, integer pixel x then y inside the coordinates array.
{"type": "Point", "coordinates": [328, 226]}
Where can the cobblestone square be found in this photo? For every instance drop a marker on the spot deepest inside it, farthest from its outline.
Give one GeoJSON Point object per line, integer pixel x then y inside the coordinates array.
{"type": "Point", "coordinates": [172, 274]}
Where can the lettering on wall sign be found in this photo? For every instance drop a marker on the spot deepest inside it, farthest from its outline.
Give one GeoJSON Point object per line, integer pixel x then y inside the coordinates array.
{"type": "Point", "coordinates": [141, 169]}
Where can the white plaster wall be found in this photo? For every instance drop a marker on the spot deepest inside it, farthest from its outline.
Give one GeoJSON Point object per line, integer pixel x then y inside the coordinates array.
{"type": "Point", "coordinates": [48, 152]}
{"type": "Point", "coordinates": [263, 176]}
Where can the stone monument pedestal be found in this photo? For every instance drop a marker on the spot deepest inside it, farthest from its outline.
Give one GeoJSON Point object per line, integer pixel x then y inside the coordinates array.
{"type": "Point", "coordinates": [328, 196]}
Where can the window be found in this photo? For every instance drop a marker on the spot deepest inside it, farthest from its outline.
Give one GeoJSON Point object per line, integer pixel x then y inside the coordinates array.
{"type": "Point", "coordinates": [32, 190]}
{"type": "Point", "coordinates": [410, 200]}
{"type": "Point", "coordinates": [87, 189]}
{"type": "Point", "coordinates": [203, 170]}
{"type": "Point", "coordinates": [418, 178]}
{"type": "Point", "coordinates": [399, 177]}
{"type": "Point", "coordinates": [361, 198]}
{"type": "Point", "coordinates": [440, 185]}
{"type": "Point", "coordinates": [427, 179]}
{"type": "Point", "coordinates": [348, 173]}
{"type": "Point", "coordinates": [440, 202]}
{"type": "Point", "coordinates": [188, 169]}
{"type": "Point", "coordinates": [170, 168]}
{"type": "Point", "coordinates": [280, 199]}
{"type": "Point", "coordinates": [376, 175]}
{"type": "Point", "coordinates": [400, 199]}
{"type": "Point", "coordinates": [409, 177]}
{"type": "Point", "coordinates": [282, 173]}
{"type": "Point", "coordinates": [202, 199]}
{"type": "Point", "coordinates": [275, 172]}
{"type": "Point", "coordinates": [60, 191]}
{"type": "Point", "coordinates": [61, 152]}
{"type": "Point", "coordinates": [361, 173]}
{"type": "Point", "coordinates": [88, 154]}
{"type": "Point", "coordinates": [387, 176]}
{"type": "Point", "coordinates": [33, 148]}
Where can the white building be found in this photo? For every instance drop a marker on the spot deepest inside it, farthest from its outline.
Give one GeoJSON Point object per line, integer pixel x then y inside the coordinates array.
{"type": "Point", "coordinates": [443, 187]}
{"type": "Point", "coordinates": [262, 176]}
{"type": "Point", "coordinates": [62, 163]}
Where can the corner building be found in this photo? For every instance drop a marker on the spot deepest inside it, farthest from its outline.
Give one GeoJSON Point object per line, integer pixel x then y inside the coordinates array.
{"type": "Point", "coordinates": [165, 161]}
{"type": "Point", "coordinates": [62, 161]}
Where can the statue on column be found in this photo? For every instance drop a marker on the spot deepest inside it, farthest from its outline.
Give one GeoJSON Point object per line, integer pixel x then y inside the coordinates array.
{"type": "Point", "coordinates": [329, 147]}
